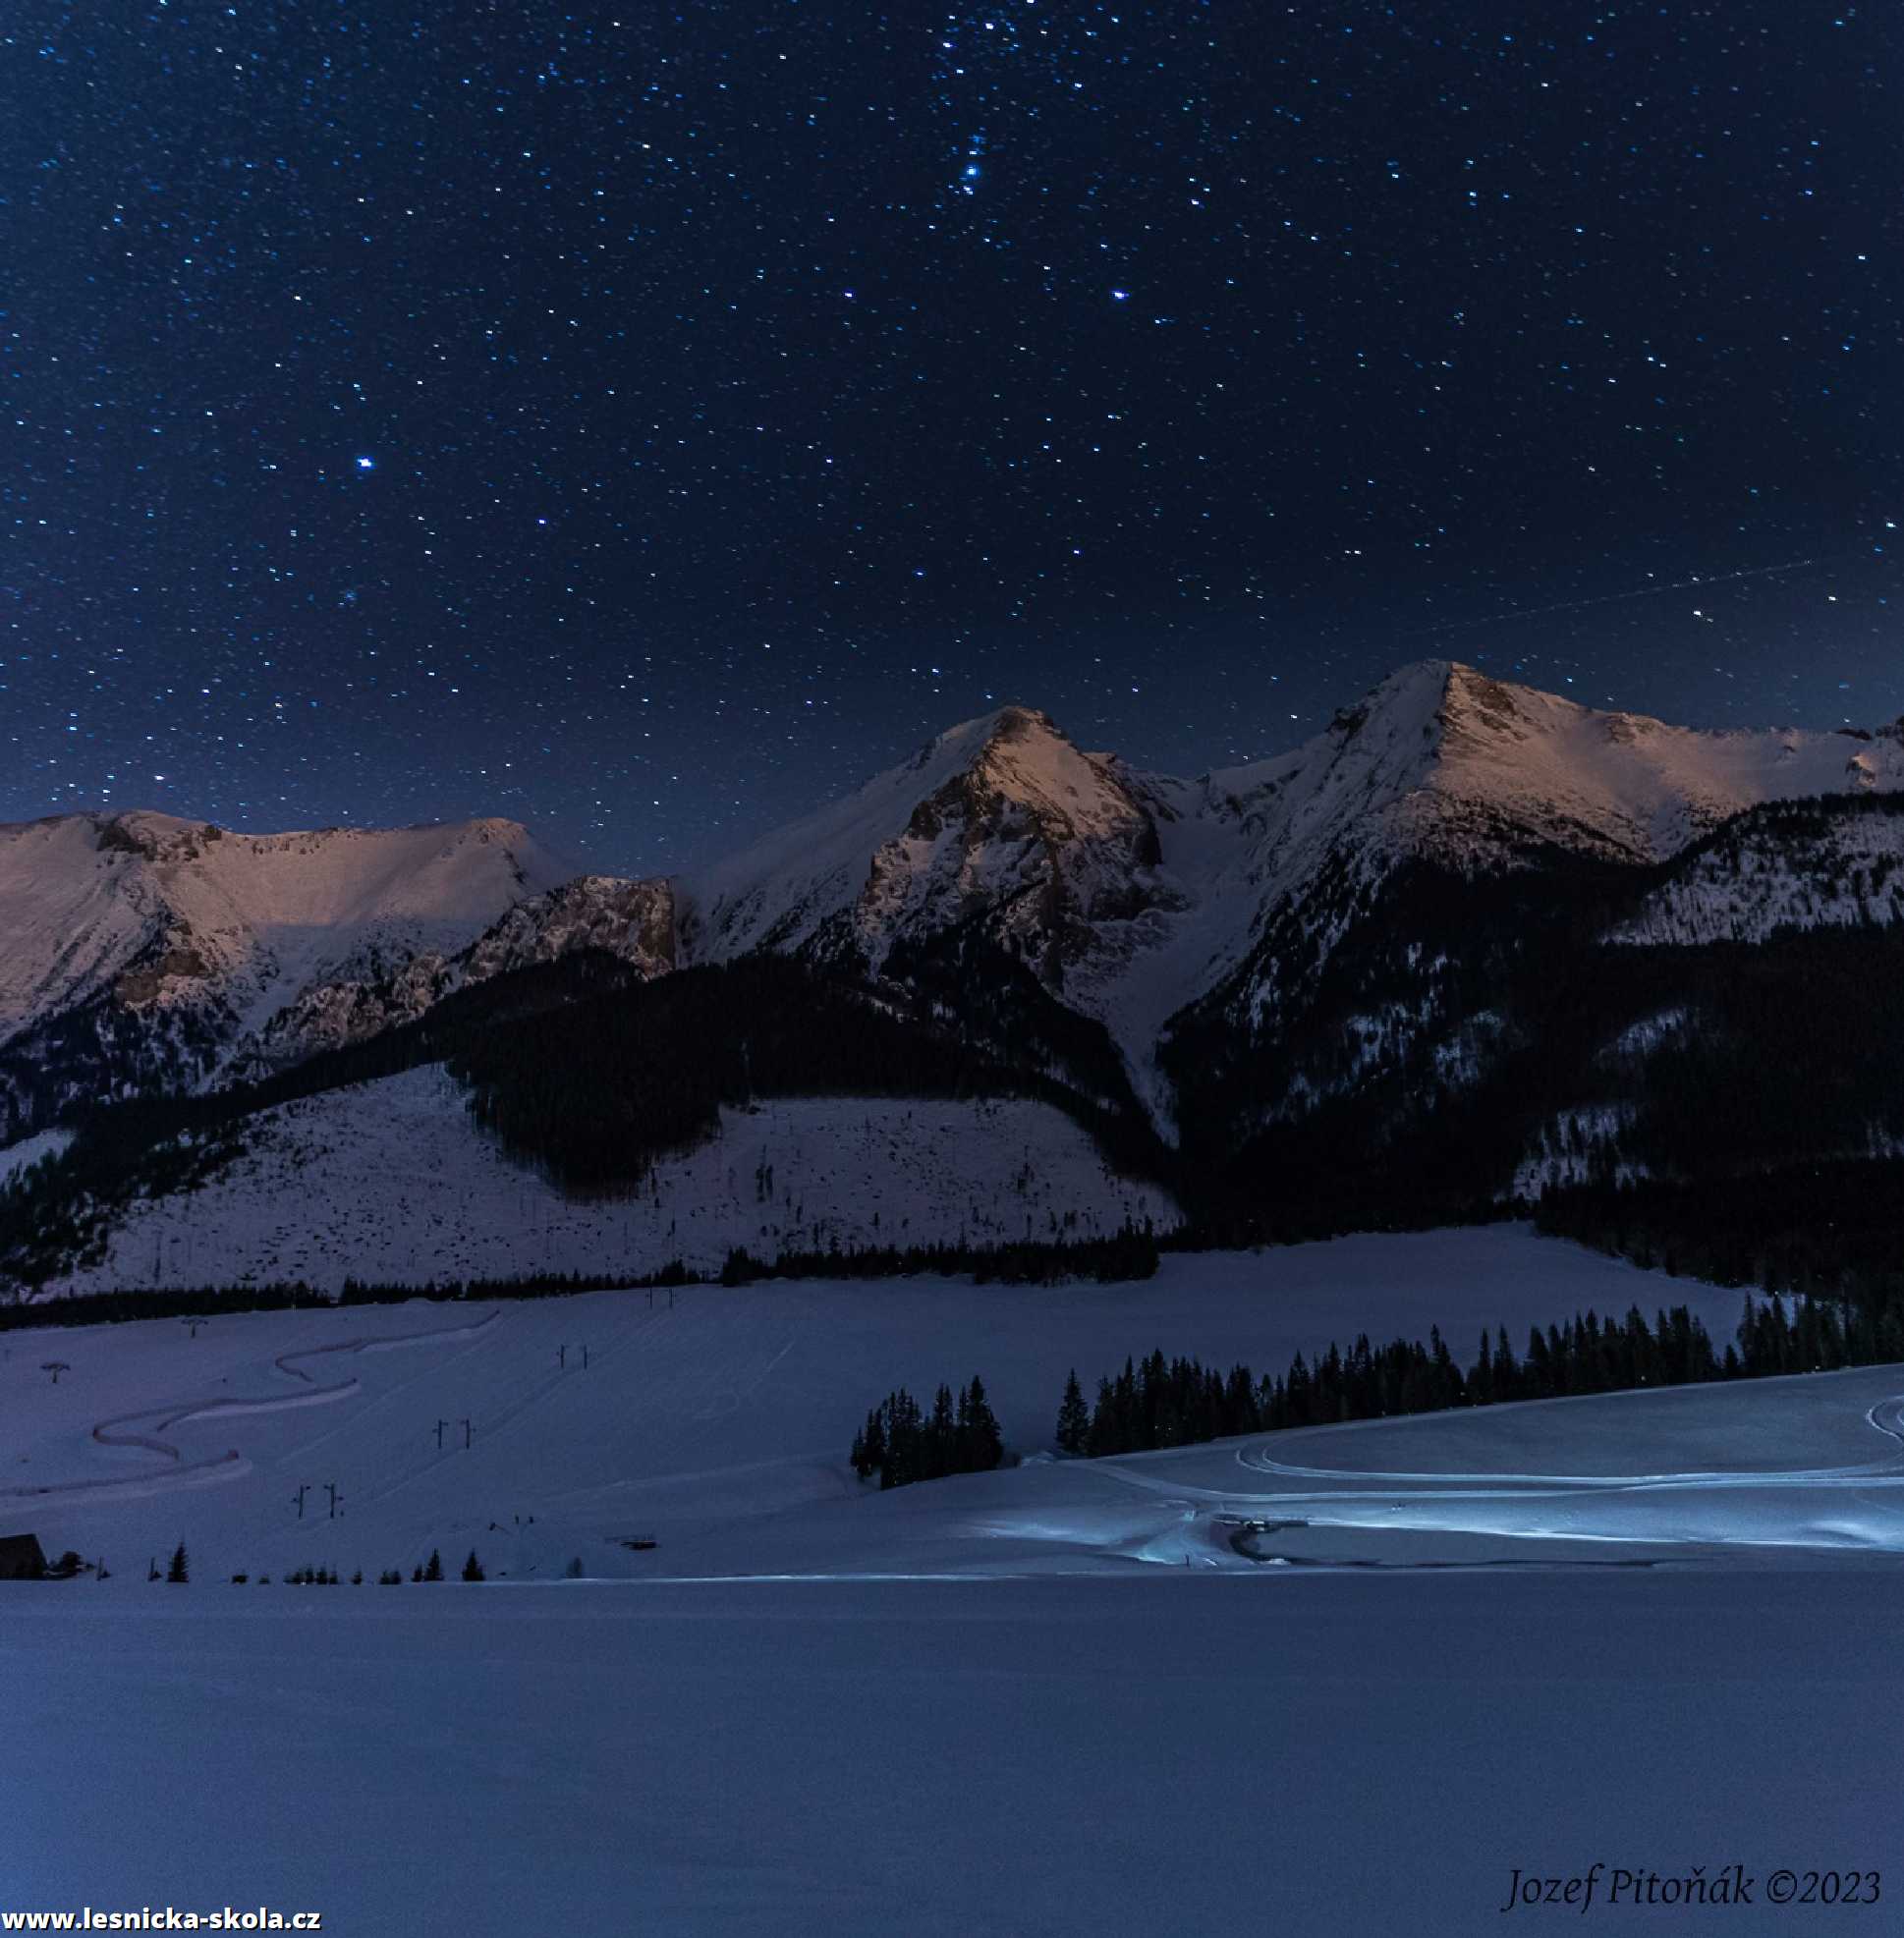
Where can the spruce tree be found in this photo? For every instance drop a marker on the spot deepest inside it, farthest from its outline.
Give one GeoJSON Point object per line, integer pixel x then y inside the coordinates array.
{"type": "Point", "coordinates": [434, 1568]}
{"type": "Point", "coordinates": [178, 1571]}
{"type": "Point", "coordinates": [869, 1445]}
{"type": "Point", "coordinates": [1074, 1419]}
{"type": "Point", "coordinates": [473, 1568]}
{"type": "Point", "coordinates": [941, 1436]}
{"type": "Point", "coordinates": [985, 1445]}
{"type": "Point", "coordinates": [904, 1462]}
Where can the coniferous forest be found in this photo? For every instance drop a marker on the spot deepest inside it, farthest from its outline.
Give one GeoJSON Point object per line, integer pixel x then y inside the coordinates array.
{"type": "Point", "coordinates": [901, 1442]}
{"type": "Point", "coordinates": [1764, 1057]}
{"type": "Point", "coordinates": [1127, 1255]}
{"type": "Point", "coordinates": [590, 1075]}
{"type": "Point", "coordinates": [1157, 1403]}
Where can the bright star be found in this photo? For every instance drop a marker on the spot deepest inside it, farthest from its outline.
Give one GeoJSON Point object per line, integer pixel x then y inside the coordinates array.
{"type": "Point", "coordinates": [366, 463]}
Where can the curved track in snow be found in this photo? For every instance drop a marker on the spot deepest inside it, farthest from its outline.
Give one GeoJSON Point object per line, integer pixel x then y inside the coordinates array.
{"type": "Point", "coordinates": [1885, 1418]}
{"type": "Point", "coordinates": [125, 1429]}
{"type": "Point", "coordinates": [1706, 1507]}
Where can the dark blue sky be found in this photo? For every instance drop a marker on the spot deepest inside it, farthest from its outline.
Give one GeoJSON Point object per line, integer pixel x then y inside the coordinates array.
{"type": "Point", "coordinates": [650, 423]}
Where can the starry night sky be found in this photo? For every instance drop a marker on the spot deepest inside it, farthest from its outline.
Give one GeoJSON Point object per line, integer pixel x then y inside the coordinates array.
{"type": "Point", "coordinates": [648, 422]}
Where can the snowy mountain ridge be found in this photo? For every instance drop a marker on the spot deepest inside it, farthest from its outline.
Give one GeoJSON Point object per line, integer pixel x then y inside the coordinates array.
{"type": "Point", "coordinates": [1133, 895]}
{"type": "Point", "coordinates": [1442, 763]}
{"type": "Point", "coordinates": [147, 951]}
{"type": "Point", "coordinates": [632, 920]}
{"type": "Point", "coordinates": [1756, 878]}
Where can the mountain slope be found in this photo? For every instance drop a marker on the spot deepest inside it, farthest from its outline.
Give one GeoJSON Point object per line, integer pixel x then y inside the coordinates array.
{"type": "Point", "coordinates": [631, 920]}
{"type": "Point", "coordinates": [1444, 766]}
{"type": "Point", "coordinates": [393, 1180]}
{"type": "Point", "coordinates": [1787, 866]}
{"type": "Point", "coordinates": [1519, 764]}
{"type": "Point", "coordinates": [152, 952]}
{"type": "Point", "coordinates": [149, 951]}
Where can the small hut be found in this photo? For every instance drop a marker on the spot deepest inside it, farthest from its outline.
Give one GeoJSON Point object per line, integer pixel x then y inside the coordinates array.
{"type": "Point", "coordinates": [21, 1558]}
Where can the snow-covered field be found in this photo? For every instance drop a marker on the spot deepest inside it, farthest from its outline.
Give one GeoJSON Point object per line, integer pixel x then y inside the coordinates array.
{"type": "Point", "coordinates": [725, 1403]}
{"type": "Point", "coordinates": [393, 1182]}
{"type": "Point", "coordinates": [1319, 1754]}
{"type": "Point", "coordinates": [1292, 1681]}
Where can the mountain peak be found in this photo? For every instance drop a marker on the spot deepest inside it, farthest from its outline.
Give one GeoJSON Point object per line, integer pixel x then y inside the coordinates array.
{"type": "Point", "coordinates": [1000, 809]}
{"type": "Point", "coordinates": [972, 741]}
{"type": "Point", "coordinates": [1407, 704]}
{"type": "Point", "coordinates": [1014, 720]}
{"type": "Point", "coordinates": [210, 932]}
{"type": "Point", "coordinates": [1432, 696]}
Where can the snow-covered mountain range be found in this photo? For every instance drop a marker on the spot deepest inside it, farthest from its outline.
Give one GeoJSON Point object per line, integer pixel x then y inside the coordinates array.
{"type": "Point", "coordinates": [143, 951]}
{"type": "Point", "coordinates": [1471, 942]}
{"type": "Point", "coordinates": [1134, 895]}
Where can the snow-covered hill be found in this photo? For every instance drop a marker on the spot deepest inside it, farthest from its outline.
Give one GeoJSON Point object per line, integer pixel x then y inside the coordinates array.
{"type": "Point", "coordinates": [141, 949]}
{"type": "Point", "coordinates": [392, 1182]}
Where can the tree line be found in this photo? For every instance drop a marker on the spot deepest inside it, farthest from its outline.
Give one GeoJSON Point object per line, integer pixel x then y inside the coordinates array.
{"type": "Point", "coordinates": [1131, 1253]}
{"type": "Point", "coordinates": [205, 1302]}
{"type": "Point", "coordinates": [1157, 1401]}
{"type": "Point", "coordinates": [1833, 1230]}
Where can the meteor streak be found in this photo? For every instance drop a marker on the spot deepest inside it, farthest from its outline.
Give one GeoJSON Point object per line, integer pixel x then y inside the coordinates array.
{"type": "Point", "coordinates": [1614, 598]}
